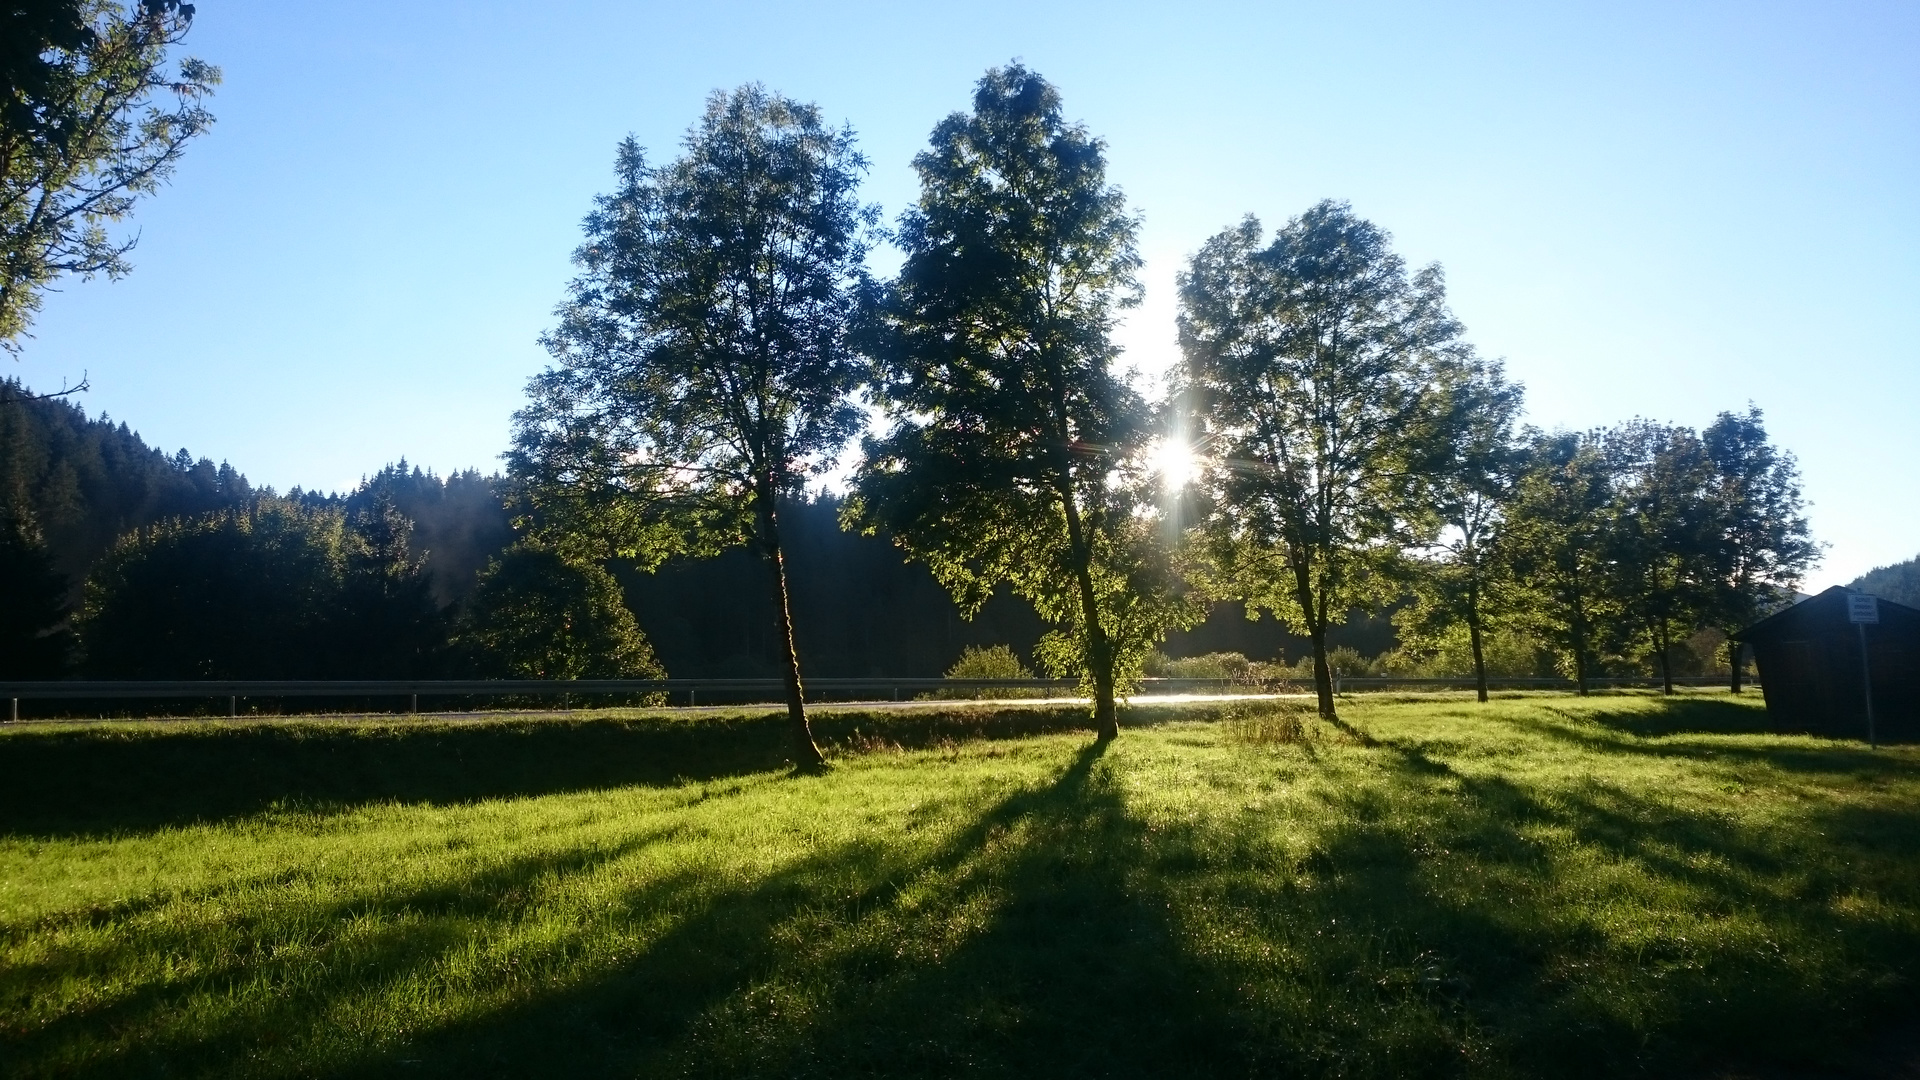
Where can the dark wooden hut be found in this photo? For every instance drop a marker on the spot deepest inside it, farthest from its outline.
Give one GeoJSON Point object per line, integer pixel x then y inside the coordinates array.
{"type": "Point", "coordinates": [1810, 671]}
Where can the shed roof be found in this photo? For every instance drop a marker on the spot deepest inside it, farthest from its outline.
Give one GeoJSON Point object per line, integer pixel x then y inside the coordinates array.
{"type": "Point", "coordinates": [1827, 607]}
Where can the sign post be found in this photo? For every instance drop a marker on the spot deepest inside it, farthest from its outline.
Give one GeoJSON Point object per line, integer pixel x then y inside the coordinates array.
{"type": "Point", "coordinates": [1864, 610]}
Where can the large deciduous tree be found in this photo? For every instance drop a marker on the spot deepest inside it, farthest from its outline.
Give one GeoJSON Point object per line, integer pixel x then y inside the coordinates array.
{"type": "Point", "coordinates": [1321, 378]}
{"type": "Point", "coordinates": [90, 122]}
{"type": "Point", "coordinates": [1667, 554]}
{"type": "Point", "coordinates": [1759, 525]}
{"type": "Point", "coordinates": [1472, 475]}
{"type": "Point", "coordinates": [703, 367]}
{"type": "Point", "coordinates": [1560, 539]}
{"type": "Point", "coordinates": [1015, 447]}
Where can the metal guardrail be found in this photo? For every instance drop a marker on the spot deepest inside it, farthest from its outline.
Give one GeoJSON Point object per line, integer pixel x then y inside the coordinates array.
{"type": "Point", "coordinates": [733, 691]}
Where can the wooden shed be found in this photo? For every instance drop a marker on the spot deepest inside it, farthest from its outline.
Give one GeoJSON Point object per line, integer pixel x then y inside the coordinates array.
{"type": "Point", "coordinates": [1810, 669]}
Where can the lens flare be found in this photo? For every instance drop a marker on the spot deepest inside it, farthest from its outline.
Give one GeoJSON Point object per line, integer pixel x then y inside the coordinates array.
{"type": "Point", "coordinates": [1174, 461]}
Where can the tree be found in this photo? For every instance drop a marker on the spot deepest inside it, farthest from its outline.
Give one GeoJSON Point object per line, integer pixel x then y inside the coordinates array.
{"type": "Point", "coordinates": [1666, 553]}
{"type": "Point", "coordinates": [538, 615]}
{"type": "Point", "coordinates": [1473, 482]}
{"type": "Point", "coordinates": [239, 594]}
{"type": "Point", "coordinates": [1320, 378]}
{"type": "Point", "coordinates": [33, 604]}
{"type": "Point", "coordinates": [1559, 537]}
{"type": "Point", "coordinates": [385, 624]}
{"type": "Point", "coordinates": [1761, 530]}
{"type": "Point", "coordinates": [1899, 582]}
{"type": "Point", "coordinates": [704, 372]}
{"type": "Point", "coordinates": [1014, 452]}
{"type": "Point", "coordinates": [84, 133]}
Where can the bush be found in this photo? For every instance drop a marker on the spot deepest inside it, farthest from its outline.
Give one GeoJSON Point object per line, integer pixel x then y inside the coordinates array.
{"type": "Point", "coordinates": [992, 662]}
{"type": "Point", "coordinates": [1220, 665]}
{"type": "Point", "coordinates": [537, 615]}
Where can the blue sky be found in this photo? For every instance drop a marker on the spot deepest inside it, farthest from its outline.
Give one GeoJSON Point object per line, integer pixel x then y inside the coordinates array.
{"type": "Point", "coordinates": [1662, 209]}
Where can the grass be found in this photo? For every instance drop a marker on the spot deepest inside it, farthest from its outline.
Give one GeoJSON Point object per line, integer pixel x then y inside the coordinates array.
{"type": "Point", "coordinates": [1544, 886]}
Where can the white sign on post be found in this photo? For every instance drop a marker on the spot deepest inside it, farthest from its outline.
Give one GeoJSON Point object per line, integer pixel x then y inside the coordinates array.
{"type": "Point", "coordinates": [1863, 608]}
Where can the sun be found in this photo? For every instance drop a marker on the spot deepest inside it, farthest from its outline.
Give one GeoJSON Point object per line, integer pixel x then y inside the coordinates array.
{"type": "Point", "coordinates": [1173, 460]}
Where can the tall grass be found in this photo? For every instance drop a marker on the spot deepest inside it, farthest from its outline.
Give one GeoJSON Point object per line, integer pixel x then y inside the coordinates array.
{"type": "Point", "coordinates": [1544, 886]}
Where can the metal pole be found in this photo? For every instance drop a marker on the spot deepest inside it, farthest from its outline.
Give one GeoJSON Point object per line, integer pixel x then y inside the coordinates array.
{"type": "Point", "coordinates": [1866, 684]}
{"type": "Point", "coordinates": [413, 705]}
{"type": "Point", "coordinates": [691, 695]}
{"type": "Point", "coordinates": [233, 706]}
{"type": "Point", "coordinates": [16, 710]}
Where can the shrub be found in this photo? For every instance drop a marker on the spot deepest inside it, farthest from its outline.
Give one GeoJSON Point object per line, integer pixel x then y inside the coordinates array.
{"type": "Point", "coordinates": [538, 615]}
{"type": "Point", "coordinates": [991, 662]}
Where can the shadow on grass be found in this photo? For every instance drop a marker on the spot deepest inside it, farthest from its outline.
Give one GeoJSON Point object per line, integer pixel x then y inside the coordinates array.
{"type": "Point", "coordinates": [114, 780]}
{"type": "Point", "coordinates": [1426, 921]}
{"type": "Point", "coordinates": [1663, 734]}
{"type": "Point", "coordinates": [1023, 944]}
{"type": "Point", "coordinates": [1800, 938]}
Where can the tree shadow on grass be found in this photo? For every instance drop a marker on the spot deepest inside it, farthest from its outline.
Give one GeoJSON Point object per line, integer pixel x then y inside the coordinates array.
{"type": "Point", "coordinates": [1017, 947]}
{"type": "Point", "coordinates": [1775, 943]}
{"type": "Point", "coordinates": [109, 781]}
{"type": "Point", "coordinates": [1018, 944]}
{"type": "Point", "coordinates": [1428, 926]}
{"type": "Point", "coordinates": [1606, 733]}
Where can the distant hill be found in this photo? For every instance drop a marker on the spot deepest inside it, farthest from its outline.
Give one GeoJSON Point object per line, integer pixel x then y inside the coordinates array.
{"type": "Point", "coordinates": [1899, 583]}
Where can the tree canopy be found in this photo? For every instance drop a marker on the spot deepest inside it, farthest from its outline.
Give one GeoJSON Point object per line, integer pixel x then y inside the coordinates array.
{"type": "Point", "coordinates": [92, 121]}
{"type": "Point", "coordinates": [1015, 451]}
{"type": "Point", "coordinates": [1319, 381]}
{"type": "Point", "coordinates": [703, 363]}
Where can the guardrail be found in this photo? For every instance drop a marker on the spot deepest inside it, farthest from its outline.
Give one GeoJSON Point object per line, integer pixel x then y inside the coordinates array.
{"type": "Point", "coordinates": [729, 691]}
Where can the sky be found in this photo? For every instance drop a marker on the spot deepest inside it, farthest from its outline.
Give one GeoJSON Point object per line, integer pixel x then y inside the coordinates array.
{"type": "Point", "coordinates": [1661, 209]}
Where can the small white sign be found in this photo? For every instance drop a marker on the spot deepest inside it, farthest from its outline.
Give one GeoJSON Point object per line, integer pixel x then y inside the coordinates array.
{"type": "Point", "coordinates": [1863, 608]}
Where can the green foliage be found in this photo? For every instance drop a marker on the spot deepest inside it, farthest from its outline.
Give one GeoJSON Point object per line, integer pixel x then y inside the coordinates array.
{"type": "Point", "coordinates": [1323, 383]}
{"type": "Point", "coordinates": [1542, 886]}
{"type": "Point", "coordinates": [1507, 652]}
{"type": "Point", "coordinates": [1219, 665]}
{"type": "Point", "coordinates": [33, 644]}
{"type": "Point", "coordinates": [703, 366]}
{"type": "Point", "coordinates": [540, 615]}
{"type": "Point", "coordinates": [456, 523]}
{"type": "Point", "coordinates": [992, 662]}
{"type": "Point", "coordinates": [273, 590]}
{"type": "Point", "coordinates": [705, 370]}
{"type": "Point", "coordinates": [1763, 543]}
{"type": "Point", "coordinates": [1560, 537]}
{"type": "Point", "coordinates": [1464, 584]}
{"type": "Point", "coordinates": [386, 624]}
{"type": "Point", "coordinates": [240, 594]}
{"type": "Point", "coordinates": [85, 137]}
{"type": "Point", "coordinates": [1014, 451]}
{"type": "Point", "coordinates": [81, 483]}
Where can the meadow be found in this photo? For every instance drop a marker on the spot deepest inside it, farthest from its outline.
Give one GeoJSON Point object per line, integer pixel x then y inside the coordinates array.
{"type": "Point", "coordinates": [1541, 886]}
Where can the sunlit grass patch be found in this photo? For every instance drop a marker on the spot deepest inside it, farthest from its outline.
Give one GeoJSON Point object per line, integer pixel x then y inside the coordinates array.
{"type": "Point", "coordinates": [1539, 886]}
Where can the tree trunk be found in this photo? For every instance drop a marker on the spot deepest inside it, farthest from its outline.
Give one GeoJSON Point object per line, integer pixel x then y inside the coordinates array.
{"type": "Point", "coordinates": [806, 755]}
{"type": "Point", "coordinates": [1322, 674]}
{"type": "Point", "coordinates": [1479, 658]}
{"type": "Point", "coordinates": [1316, 634]}
{"type": "Point", "coordinates": [1663, 638]}
{"type": "Point", "coordinates": [1580, 654]}
{"type": "Point", "coordinates": [1106, 717]}
{"type": "Point", "coordinates": [1733, 661]}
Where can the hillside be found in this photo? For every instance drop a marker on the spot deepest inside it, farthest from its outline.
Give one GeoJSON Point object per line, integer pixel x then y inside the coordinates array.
{"type": "Point", "coordinates": [1899, 583]}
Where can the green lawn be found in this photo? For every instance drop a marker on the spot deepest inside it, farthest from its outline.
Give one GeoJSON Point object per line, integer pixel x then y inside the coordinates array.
{"type": "Point", "coordinates": [1546, 886]}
